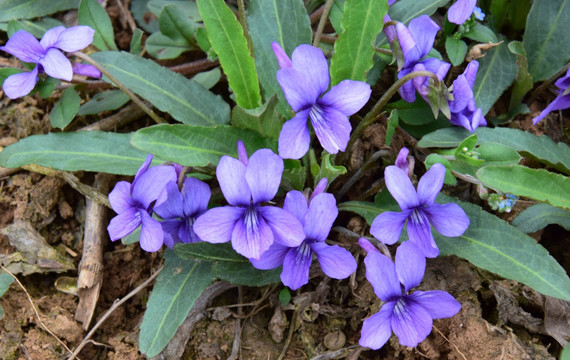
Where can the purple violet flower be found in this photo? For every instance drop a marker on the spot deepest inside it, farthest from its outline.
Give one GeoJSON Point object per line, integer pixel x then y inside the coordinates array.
{"type": "Point", "coordinates": [416, 41]}
{"type": "Point", "coordinates": [420, 210]}
{"type": "Point", "coordinates": [561, 102]}
{"type": "Point", "coordinates": [47, 55]}
{"type": "Point", "coordinates": [409, 316]}
{"type": "Point", "coordinates": [251, 227]}
{"type": "Point", "coordinates": [459, 12]}
{"type": "Point", "coordinates": [179, 208]}
{"type": "Point", "coordinates": [464, 111]}
{"type": "Point", "coordinates": [303, 80]}
{"type": "Point", "coordinates": [402, 161]}
{"type": "Point", "coordinates": [133, 204]}
{"type": "Point", "coordinates": [317, 216]}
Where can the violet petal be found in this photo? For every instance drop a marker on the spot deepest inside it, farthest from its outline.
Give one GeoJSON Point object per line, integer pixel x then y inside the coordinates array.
{"type": "Point", "coordinates": [459, 12]}
{"type": "Point", "coordinates": [311, 61]}
{"type": "Point", "coordinates": [410, 265]}
{"type": "Point", "coordinates": [381, 273]}
{"type": "Point", "coordinates": [423, 29]}
{"type": "Point", "coordinates": [282, 58]}
{"type": "Point", "coordinates": [387, 227]}
{"type": "Point", "coordinates": [231, 177]}
{"type": "Point", "coordinates": [57, 65]}
{"type": "Point", "coordinates": [272, 258]}
{"type": "Point", "coordinates": [196, 196]}
{"type": "Point", "coordinates": [251, 236]}
{"type": "Point", "coordinates": [298, 91]}
{"type": "Point", "coordinates": [170, 230]}
{"type": "Point", "coordinates": [410, 322]}
{"type": "Point", "coordinates": [320, 217]}
{"type": "Point", "coordinates": [448, 219]}
{"type": "Point", "coordinates": [216, 225]}
{"type": "Point", "coordinates": [120, 197]}
{"type": "Point", "coordinates": [296, 205]}
{"type": "Point", "coordinates": [151, 183]}
{"type": "Point", "coordinates": [439, 304]}
{"type": "Point", "coordinates": [152, 236]}
{"type": "Point", "coordinates": [123, 224]}
{"type": "Point", "coordinates": [294, 138]}
{"type": "Point", "coordinates": [401, 188]}
{"type": "Point", "coordinates": [288, 229]}
{"type": "Point", "coordinates": [24, 46]}
{"type": "Point", "coordinates": [21, 84]}
{"type": "Point", "coordinates": [331, 127]}
{"type": "Point", "coordinates": [263, 175]}
{"type": "Point", "coordinates": [376, 330]}
{"type": "Point", "coordinates": [336, 262]}
{"type": "Point", "coordinates": [296, 266]}
{"type": "Point", "coordinates": [408, 44]}
{"type": "Point", "coordinates": [50, 37]}
{"type": "Point", "coordinates": [171, 207]}
{"type": "Point", "coordinates": [419, 232]}
{"type": "Point", "coordinates": [430, 184]}
{"type": "Point", "coordinates": [75, 38]}
{"type": "Point", "coordinates": [347, 96]}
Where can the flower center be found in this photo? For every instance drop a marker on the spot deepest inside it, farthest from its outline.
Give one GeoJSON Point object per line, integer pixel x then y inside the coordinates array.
{"type": "Point", "coordinates": [250, 218]}
{"type": "Point", "coordinates": [417, 217]}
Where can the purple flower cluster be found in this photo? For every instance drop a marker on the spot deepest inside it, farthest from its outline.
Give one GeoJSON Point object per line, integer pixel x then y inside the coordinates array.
{"type": "Point", "coordinates": [47, 56]}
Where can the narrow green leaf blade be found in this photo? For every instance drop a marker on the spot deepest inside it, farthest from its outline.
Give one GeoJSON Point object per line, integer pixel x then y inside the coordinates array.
{"type": "Point", "coordinates": [537, 184]}
{"type": "Point", "coordinates": [538, 216]}
{"type": "Point", "coordinates": [228, 40]}
{"type": "Point", "coordinates": [492, 244]}
{"type": "Point", "coordinates": [36, 28]}
{"type": "Point", "coordinates": [197, 145]}
{"type": "Point", "coordinates": [104, 101]}
{"type": "Point", "coordinates": [353, 51]}
{"type": "Point", "coordinates": [208, 252]}
{"type": "Point", "coordinates": [86, 150]}
{"type": "Point", "coordinates": [283, 21]}
{"type": "Point", "coordinates": [184, 99]}
{"type": "Point", "coordinates": [497, 71]}
{"type": "Point", "coordinates": [177, 287]}
{"type": "Point", "coordinates": [175, 24]}
{"type": "Point", "coordinates": [92, 14]}
{"type": "Point", "coordinates": [162, 47]}
{"type": "Point", "coordinates": [65, 109]}
{"type": "Point", "coordinates": [546, 37]}
{"type": "Point", "coordinates": [540, 148]}
{"type": "Point", "coordinates": [29, 9]}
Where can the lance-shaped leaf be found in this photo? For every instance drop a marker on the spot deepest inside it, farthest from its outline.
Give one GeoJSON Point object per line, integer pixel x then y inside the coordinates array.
{"type": "Point", "coordinates": [177, 287]}
{"type": "Point", "coordinates": [185, 100]}
{"type": "Point", "coordinates": [36, 28]}
{"type": "Point", "coordinates": [538, 216]}
{"type": "Point", "coordinates": [18, 9]}
{"type": "Point", "coordinates": [228, 41]}
{"type": "Point", "coordinates": [92, 14]}
{"type": "Point", "coordinates": [353, 51]}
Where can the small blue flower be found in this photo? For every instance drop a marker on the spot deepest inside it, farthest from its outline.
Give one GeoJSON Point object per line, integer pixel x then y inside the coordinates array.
{"type": "Point", "coordinates": [479, 15]}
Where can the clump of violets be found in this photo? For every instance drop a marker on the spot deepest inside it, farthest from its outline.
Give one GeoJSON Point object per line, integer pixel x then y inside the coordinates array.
{"type": "Point", "coordinates": [415, 42]}
{"type": "Point", "coordinates": [47, 56]}
{"type": "Point", "coordinates": [419, 210]}
{"type": "Point", "coordinates": [246, 185]}
{"type": "Point", "coordinates": [409, 315]}
{"type": "Point", "coordinates": [464, 111]}
{"type": "Point", "coordinates": [134, 203]}
{"type": "Point", "coordinates": [304, 80]}
{"type": "Point", "coordinates": [317, 215]}
{"type": "Point", "coordinates": [180, 207]}
{"type": "Point", "coordinates": [561, 102]}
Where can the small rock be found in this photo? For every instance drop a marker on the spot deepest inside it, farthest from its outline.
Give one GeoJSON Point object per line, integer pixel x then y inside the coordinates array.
{"type": "Point", "coordinates": [335, 340]}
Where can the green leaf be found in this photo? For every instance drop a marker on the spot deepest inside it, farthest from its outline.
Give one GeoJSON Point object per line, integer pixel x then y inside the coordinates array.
{"type": "Point", "coordinates": [497, 71]}
{"type": "Point", "coordinates": [416, 113]}
{"type": "Point", "coordinates": [65, 109]}
{"type": "Point", "coordinates": [266, 119]}
{"type": "Point", "coordinates": [538, 216]}
{"type": "Point", "coordinates": [354, 48]}
{"type": "Point", "coordinates": [492, 244]}
{"type": "Point", "coordinates": [546, 38]}
{"type": "Point", "coordinates": [196, 145]}
{"type": "Point", "coordinates": [369, 210]}
{"type": "Point", "coordinates": [86, 150]}
{"type": "Point", "coordinates": [104, 101]}
{"type": "Point", "coordinates": [175, 25]}
{"type": "Point", "coordinates": [228, 40]}
{"type": "Point", "coordinates": [540, 148]}
{"type": "Point", "coordinates": [36, 28]}
{"type": "Point", "coordinates": [537, 184]}
{"type": "Point", "coordinates": [456, 50]}
{"type": "Point", "coordinates": [283, 21]}
{"type": "Point", "coordinates": [29, 9]}
{"type": "Point", "coordinates": [208, 78]}
{"type": "Point", "coordinates": [177, 287]}
{"type": "Point", "coordinates": [498, 154]}
{"type": "Point", "coordinates": [185, 100]}
{"type": "Point", "coordinates": [392, 124]}
{"type": "Point", "coordinates": [327, 169]}
{"type": "Point", "coordinates": [162, 47]}
{"type": "Point", "coordinates": [523, 80]}
{"type": "Point", "coordinates": [92, 14]}
{"type": "Point", "coordinates": [136, 42]}
{"type": "Point", "coordinates": [435, 159]}
{"type": "Point", "coordinates": [5, 281]}
{"type": "Point", "coordinates": [482, 34]}
{"type": "Point", "coordinates": [143, 16]}
{"type": "Point", "coordinates": [46, 86]}
{"type": "Point", "coordinates": [227, 264]}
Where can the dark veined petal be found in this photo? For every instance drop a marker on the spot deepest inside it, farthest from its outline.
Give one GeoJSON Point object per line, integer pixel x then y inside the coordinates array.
{"type": "Point", "coordinates": [376, 330]}
{"type": "Point", "coordinates": [150, 184]}
{"type": "Point", "coordinates": [172, 205]}
{"type": "Point", "coordinates": [57, 65]}
{"type": "Point", "coordinates": [336, 262]}
{"type": "Point", "coordinates": [24, 46]}
{"type": "Point", "coordinates": [186, 232]}
{"type": "Point", "coordinates": [263, 175]}
{"type": "Point", "coordinates": [287, 228]}
{"type": "Point", "coordinates": [124, 223]}
{"type": "Point", "coordinates": [251, 236]}
{"type": "Point", "coordinates": [299, 92]}
{"type": "Point", "coordinates": [423, 29]}
{"type": "Point", "coordinates": [216, 225]}
{"type": "Point", "coordinates": [272, 258]}
{"type": "Point", "coordinates": [294, 138]}
{"type": "Point", "coordinates": [410, 265]}
{"type": "Point", "coordinates": [152, 236]}
{"type": "Point", "coordinates": [231, 177]}
{"type": "Point", "coordinates": [410, 322]}
{"type": "Point", "coordinates": [348, 96]}
{"type": "Point", "coordinates": [447, 219]}
{"type": "Point", "coordinates": [331, 127]}
{"type": "Point", "coordinates": [419, 232]}
{"type": "Point", "coordinates": [439, 304]}
{"type": "Point", "coordinates": [170, 230]}
{"type": "Point", "coordinates": [296, 205]}
{"type": "Point", "coordinates": [120, 197]}
{"type": "Point", "coordinates": [18, 85]}
{"type": "Point", "coordinates": [75, 38]}
{"type": "Point", "coordinates": [381, 273]}
{"type": "Point", "coordinates": [311, 61]}
{"type": "Point", "coordinates": [387, 227]}
{"type": "Point", "coordinates": [430, 184]}
{"type": "Point", "coordinates": [401, 188]}
{"type": "Point", "coordinates": [296, 266]}
{"type": "Point", "coordinates": [196, 195]}
{"type": "Point", "coordinates": [459, 12]}
{"type": "Point", "coordinates": [320, 217]}
{"type": "Point", "coordinates": [50, 37]}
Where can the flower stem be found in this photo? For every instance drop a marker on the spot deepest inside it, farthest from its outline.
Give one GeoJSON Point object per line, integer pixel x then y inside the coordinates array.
{"type": "Point", "coordinates": [134, 98]}
{"type": "Point", "coordinates": [372, 115]}
{"type": "Point", "coordinates": [322, 22]}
